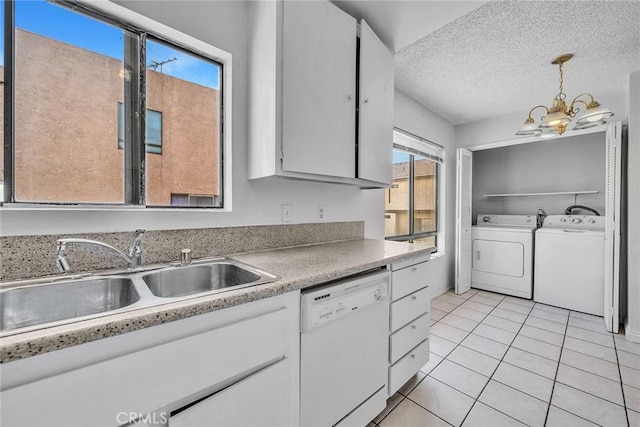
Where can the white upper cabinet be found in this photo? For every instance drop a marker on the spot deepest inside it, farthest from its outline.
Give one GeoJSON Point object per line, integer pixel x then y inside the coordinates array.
{"type": "Point", "coordinates": [319, 89]}
{"type": "Point", "coordinates": [375, 125]}
{"type": "Point", "coordinates": [304, 99]}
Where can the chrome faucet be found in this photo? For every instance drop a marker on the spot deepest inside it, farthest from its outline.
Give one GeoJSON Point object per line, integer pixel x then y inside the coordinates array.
{"type": "Point", "coordinates": [133, 259]}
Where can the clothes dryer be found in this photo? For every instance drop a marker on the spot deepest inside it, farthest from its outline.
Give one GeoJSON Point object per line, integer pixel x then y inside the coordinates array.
{"type": "Point", "coordinates": [502, 254]}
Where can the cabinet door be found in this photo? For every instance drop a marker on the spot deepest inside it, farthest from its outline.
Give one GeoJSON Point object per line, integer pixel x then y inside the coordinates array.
{"type": "Point", "coordinates": [262, 399]}
{"type": "Point", "coordinates": [103, 394]}
{"type": "Point", "coordinates": [375, 125]}
{"type": "Point", "coordinates": [319, 89]}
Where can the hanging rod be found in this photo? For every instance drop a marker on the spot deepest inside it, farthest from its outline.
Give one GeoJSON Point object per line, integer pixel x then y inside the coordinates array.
{"type": "Point", "coordinates": [553, 193]}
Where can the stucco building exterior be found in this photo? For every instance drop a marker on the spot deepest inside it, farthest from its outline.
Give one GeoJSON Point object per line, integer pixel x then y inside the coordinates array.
{"type": "Point", "coordinates": [66, 121]}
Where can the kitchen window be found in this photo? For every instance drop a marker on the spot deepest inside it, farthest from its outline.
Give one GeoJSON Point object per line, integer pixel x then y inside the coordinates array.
{"type": "Point", "coordinates": [67, 65]}
{"type": "Point", "coordinates": [412, 202]}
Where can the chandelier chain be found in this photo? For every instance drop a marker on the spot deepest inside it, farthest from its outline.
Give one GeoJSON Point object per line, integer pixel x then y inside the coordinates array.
{"type": "Point", "coordinates": [561, 80]}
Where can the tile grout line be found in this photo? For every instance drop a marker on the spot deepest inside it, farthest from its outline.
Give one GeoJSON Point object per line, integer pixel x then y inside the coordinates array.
{"type": "Point", "coordinates": [589, 372]}
{"type": "Point", "coordinates": [624, 399]}
{"type": "Point", "coordinates": [564, 335]}
{"type": "Point", "coordinates": [502, 361]}
{"type": "Point", "coordinates": [452, 350]}
{"type": "Point", "coordinates": [496, 368]}
{"type": "Point", "coordinates": [582, 391]}
{"type": "Point", "coordinates": [591, 355]}
{"type": "Point", "coordinates": [555, 378]}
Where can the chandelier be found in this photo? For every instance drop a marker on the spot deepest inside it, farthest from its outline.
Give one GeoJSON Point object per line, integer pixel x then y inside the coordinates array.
{"type": "Point", "coordinates": [559, 115]}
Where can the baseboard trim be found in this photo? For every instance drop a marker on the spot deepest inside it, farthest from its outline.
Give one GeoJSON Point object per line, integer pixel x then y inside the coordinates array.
{"type": "Point", "coordinates": [630, 334]}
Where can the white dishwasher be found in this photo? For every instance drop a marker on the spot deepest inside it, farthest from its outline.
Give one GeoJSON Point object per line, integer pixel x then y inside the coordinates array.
{"type": "Point", "coordinates": [344, 347]}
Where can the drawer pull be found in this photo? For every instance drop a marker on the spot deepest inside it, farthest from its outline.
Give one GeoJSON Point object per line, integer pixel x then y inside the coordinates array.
{"type": "Point", "coordinates": [414, 297]}
{"type": "Point", "coordinates": [413, 356]}
{"type": "Point", "coordinates": [414, 268]}
{"type": "Point", "coordinates": [414, 327]}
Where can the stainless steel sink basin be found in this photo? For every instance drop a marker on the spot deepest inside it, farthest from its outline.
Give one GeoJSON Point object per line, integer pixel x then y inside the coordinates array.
{"type": "Point", "coordinates": [196, 279]}
{"type": "Point", "coordinates": [38, 303]}
{"type": "Point", "coordinates": [46, 303]}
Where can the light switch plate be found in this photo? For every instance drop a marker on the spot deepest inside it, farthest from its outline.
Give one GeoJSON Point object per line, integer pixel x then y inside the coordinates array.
{"type": "Point", "coordinates": [321, 213]}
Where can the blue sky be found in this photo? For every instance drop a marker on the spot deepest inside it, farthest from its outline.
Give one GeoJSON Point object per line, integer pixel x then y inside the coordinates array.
{"type": "Point", "coordinates": [40, 17]}
{"type": "Point", "coordinates": [400, 156]}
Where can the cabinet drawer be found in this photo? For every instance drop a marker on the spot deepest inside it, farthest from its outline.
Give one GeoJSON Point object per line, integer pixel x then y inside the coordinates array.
{"type": "Point", "coordinates": [261, 399]}
{"type": "Point", "coordinates": [408, 280]}
{"type": "Point", "coordinates": [406, 367]}
{"type": "Point", "coordinates": [408, 337]}
{"type": "Point", "coordinates": [408, 308]}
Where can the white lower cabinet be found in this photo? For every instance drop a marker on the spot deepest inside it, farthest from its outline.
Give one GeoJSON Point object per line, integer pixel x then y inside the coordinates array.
{"type": "Point", "coordinates": [408, 321]}
{"type": "Point", "coordinates": [262, 399]}
{"type": "Point", "coordinates": [408, 366]}
{"type": "Point", "coordinates": [406, 337]}
{"type": "Point", "coordinates": [237, 366]}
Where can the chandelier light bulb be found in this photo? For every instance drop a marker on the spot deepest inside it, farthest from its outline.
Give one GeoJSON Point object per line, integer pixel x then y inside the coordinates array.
{"type": "Point", "coordinates": [595, 114]}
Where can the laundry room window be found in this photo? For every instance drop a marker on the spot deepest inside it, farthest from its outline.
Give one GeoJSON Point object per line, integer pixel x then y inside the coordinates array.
{"type": "Point", "coordinates": [412, 201]}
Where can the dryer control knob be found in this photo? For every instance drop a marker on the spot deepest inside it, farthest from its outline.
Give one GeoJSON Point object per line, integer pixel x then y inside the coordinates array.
{"type": "Point", "coordinates": [486, 219]}
{"type": "Point", "coordinates": [592, 221]}
{"type": "Point", "coordinates": [563, 219]}
{"type": "Point", "coordinates": [576, 221]}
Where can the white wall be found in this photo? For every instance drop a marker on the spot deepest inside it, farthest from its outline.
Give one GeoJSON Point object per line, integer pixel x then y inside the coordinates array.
{"type": "Point", "coordinates": [416, 119]}
{"type": "Point", "coordinates": [568, 164]}
{"type": "Point", "coordinates": [633, 209]}
{"type": "Point", "coordinates": [223, 24]}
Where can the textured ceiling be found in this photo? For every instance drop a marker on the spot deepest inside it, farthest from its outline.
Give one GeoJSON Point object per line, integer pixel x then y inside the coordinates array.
{"type": "Point", "coordinates": [401, 22]}
{"type": "Point", "coordinates": [497, 59]}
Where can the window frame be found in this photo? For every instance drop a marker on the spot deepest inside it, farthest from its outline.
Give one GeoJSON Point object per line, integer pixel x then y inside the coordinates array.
{"type": "Point", "coordinates": [140, 25]}
{"type": "Point", "coordinates": [439, 176]}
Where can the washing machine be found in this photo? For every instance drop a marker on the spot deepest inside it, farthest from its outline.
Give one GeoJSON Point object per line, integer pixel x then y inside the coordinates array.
{"type": "Point", "coordinates": [502, 254]}
{"type": "Point", "coordinates": [569, 263]}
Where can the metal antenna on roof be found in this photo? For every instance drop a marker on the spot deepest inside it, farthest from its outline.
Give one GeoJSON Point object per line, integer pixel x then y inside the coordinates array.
{"type": "Point", "coordinates": [155, 64]}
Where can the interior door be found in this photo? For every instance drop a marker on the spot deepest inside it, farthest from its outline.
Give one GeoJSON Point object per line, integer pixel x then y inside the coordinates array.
{"type": "Point", "coordinates": [375, 120]}
{"type": "Point", "coordinates": [463, 220]}
{"type": "Point", "coordinates": [612, 229]}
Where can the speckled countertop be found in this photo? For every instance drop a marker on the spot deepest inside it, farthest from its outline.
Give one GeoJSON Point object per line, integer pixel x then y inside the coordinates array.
{"type": "Point", "coordinates": [298, 267]}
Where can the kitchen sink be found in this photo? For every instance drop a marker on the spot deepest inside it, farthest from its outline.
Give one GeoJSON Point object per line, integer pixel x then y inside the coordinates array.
{"type": "Point", "coordinates": [196, 279]}
{"type": "Point", "coordinates": [40, 304]}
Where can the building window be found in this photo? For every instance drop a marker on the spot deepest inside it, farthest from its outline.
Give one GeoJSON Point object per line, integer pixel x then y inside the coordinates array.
{"type": "Point", "coordinates": [153, 134]}
{"type": "Point", "coordinates": [201, 200]}
{"type": "Point", "coordinates": [412, 201]}
{"type": "Point", "coordinates": [69, 63]}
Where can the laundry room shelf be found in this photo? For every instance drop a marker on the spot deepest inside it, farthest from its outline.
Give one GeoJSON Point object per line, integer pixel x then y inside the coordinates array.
{"type": "Point", "coordinates": [553, 193]}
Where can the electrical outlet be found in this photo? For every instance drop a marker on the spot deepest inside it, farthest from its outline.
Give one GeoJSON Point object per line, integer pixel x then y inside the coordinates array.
{"type": "Point", "coordinates": [287, 212]}
{"type": "Point", "coordinates": [321, 213]}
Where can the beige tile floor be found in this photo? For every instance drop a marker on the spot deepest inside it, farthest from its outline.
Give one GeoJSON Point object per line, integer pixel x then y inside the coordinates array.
{"type": "Point", "coordinates": [502, 361]}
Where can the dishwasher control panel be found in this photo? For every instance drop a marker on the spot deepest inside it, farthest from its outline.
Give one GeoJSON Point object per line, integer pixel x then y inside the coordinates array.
{"type": "Point", "coordinates": [333, 301]}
